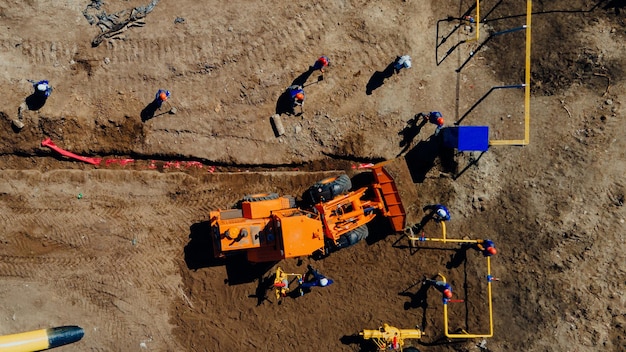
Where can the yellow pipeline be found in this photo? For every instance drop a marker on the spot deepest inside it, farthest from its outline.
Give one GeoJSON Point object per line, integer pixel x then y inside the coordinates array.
{"type": "Point", "coordinates": [40, 340]}
{"type": "Point", "coordinates": [444, 238]}
{"type": "Point", "coordinates": [466, 335]}
{"type": "Point", "coordinates": [526, 140]}
{"type": "Point", "coordinates": [477, 22]}
{"type": "Point", "coordinates": [529, 10]}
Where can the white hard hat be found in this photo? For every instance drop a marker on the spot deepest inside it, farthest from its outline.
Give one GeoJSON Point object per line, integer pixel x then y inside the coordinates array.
{"type": "Point", "coordinates": [42, 87]}
{"type": "Point", "coordinates": [323, 281]}
{"type": "Point", "coordinates": [442, 213]}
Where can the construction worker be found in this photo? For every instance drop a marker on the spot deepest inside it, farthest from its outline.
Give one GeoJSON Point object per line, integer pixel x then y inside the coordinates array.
{"type": "Point", "coordinates": [403, 61]}
{"type": "Point", "coordinates": [296, 93]}
{"type": "Point", "coordinates": [441, 286]}
{"type": "Point", "coordinates": [435, 118]}
{"type": "Point", "coordinates": [42, 88]}
{"type": "Point", "coordinates": [468, 21]}
{"type": "Point", "coordinates": [317, 279]}
{"type": "Point", "coordinates": [161, 96]}
{"type": "Point", "coordinates": [441, 213]}
{"type": "Point", "coordinates": [487, 248]}
{"type": "Point", "coordinates": [322, 62]}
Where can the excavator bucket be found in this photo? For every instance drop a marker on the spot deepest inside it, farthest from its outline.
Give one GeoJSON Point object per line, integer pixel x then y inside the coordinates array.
{"type": "Point", "coordinates": [388, 193]}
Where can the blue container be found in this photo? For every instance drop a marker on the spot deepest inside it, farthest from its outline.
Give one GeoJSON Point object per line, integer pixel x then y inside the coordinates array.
{"type": "Point", "coordinates": [467, 138]}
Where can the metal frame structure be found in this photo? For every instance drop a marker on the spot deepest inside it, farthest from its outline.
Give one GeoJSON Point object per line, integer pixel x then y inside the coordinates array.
{"type": "Point", "coordinates": [526, 85]}
{"type": "Point", "coordinates": [444, 239]}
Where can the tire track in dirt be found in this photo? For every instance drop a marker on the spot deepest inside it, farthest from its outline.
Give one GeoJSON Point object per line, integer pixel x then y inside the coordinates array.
{"type": "Point", "coordinates": [40, 267]}
{"type": "Point", "coordinates": [111, 298]}
{"type": "Point", "coordinates": [42, 52]}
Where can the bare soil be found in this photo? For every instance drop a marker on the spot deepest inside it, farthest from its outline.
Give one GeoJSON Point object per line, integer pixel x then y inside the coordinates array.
{"type": "Point", "coordinates": [121, 249]}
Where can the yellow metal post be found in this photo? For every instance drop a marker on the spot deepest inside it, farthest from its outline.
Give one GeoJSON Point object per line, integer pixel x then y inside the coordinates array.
{"type": "Point", "coordinates": [477, 20]}
{"type": "Point", "coordinates": [529, 10]}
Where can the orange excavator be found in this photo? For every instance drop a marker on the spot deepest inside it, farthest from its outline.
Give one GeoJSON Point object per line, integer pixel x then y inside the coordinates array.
{"type": "Point", "coordinates": [269, 227]}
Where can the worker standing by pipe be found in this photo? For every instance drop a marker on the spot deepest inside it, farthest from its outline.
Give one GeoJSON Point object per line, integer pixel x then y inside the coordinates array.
{"type": "Point", "coordinates": [441, 286]}
{"type": "Point", "coordinates": [440, 213]}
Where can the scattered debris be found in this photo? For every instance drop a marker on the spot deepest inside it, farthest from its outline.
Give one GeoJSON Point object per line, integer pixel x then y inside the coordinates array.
{"type": "Point", "coordinates": [608, 84]}
{"type": "Point", "coordinates": [18, 124]}
{"type": "Point", "coordinates": [114, 24]}
{"type": "Point", "coordinates": [566, 109]}
{"type": "Point", "coordinates": [179, 20]}
{"type": "Point", "coordinates": [279, 129]}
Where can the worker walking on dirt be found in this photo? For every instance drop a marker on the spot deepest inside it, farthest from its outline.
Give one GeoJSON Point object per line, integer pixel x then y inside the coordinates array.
{"type": "Point", "coordinates": [468, 23]}
{"type": "Point", "coordinates": [313, 278]}
{"type": "Point", "coordinates": [403, 61]}
{"type": "Point", "coordinates": [161, 96]}
{"type": "Point", "coordinates": [322, 62]}
{"type": "Point", "coordinates": [42, 88]}
{"type": "Point", "coordinates": [441, 286]}
{"type": "Point", "coordinates": [440, 213]}
{"type": "Point", "coordinates": [435, 118]}
{"type": "Point", "coordinates": [296, 93]}
{"type": "Point", "coordinates": [487, 248]}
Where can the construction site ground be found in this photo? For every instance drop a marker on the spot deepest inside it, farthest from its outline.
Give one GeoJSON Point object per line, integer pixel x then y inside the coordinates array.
{"type": "Point", "coordinates": [121, 249]}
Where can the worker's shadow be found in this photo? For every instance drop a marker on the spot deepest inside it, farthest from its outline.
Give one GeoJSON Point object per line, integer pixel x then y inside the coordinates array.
{"type": "Point", "coordinates": [460, 256]}
{"type": "Point", "coordinates": [35, 101]}
{"type": "Point", "coordinates": [363, 344]}
{"type": "Point", "coordinates": [149, 111]}
{"type": "Point", "coordinates": [264, 285]}
{"type": "Point", "coordinates": [304, 76]}
{"type": "Point", "coordinates": [378, 78]}
{"type": "Point", "coordinates": [419, 299]}
{"type": "Point", "coordinates": [284, 104]}
{"type": "Point", "coordinates": [421, 158]}
{"type": "Point", "coordinates": [409, 132]}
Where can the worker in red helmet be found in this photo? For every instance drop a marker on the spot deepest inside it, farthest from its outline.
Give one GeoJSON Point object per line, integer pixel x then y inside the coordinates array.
{"type": "Point", "coordinates": [435, 118]}
{"type": "Point", "coordinates": [487, 248]}
{"type": "Point", "coordinates": [322, 62]}
{"type": "Point", "coordinates": [161, 96]}
{"type": "Point", "coordinates": [441, 286]}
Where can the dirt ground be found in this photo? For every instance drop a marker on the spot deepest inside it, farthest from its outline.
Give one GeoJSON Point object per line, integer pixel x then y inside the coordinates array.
{"type": "Point", "coordinates": [120, 249]}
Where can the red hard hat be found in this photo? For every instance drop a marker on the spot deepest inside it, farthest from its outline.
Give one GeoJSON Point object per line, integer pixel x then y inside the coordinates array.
{"type": "Point", "coordinates": [447, 293]}
{"type": "Point", "coordinates": [163, 96]}
{"type": "Point", "coordinates": [323, 60]}
{"type": "Point", "coordinates": [492, 250]}
{"type": "Point", "coordinates": [300, 96]}
{"type": "Point", "coordinates": [440, 121]}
